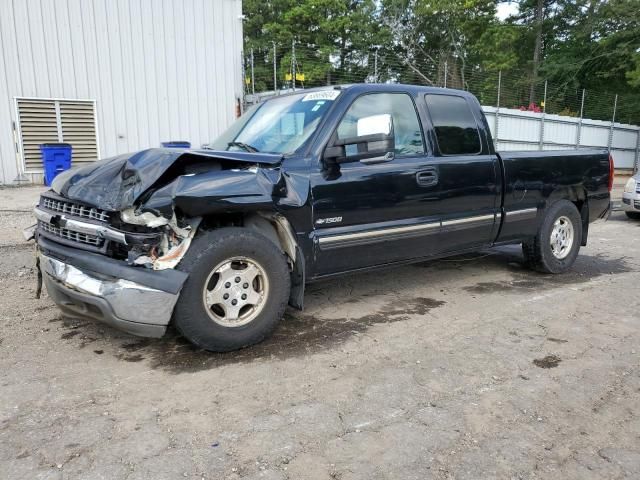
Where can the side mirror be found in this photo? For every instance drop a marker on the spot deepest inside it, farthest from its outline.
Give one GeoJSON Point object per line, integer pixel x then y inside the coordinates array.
{"type": "Point", "coordinates": [374, 142]}
{"type": "Point", "coordinates": [375, 124]}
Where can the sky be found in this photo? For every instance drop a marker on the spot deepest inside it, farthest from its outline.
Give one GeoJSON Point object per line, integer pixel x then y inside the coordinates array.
{"type": "Point", "coordinates": [506, 9]}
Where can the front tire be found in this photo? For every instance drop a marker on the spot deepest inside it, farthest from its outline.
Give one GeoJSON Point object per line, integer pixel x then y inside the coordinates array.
{"type": "Point", "coordinates": [556, 245]}
{"type": "Point", "coordinates": [633, 215]}
{"type": "Point", "coordinates": [237, 290]}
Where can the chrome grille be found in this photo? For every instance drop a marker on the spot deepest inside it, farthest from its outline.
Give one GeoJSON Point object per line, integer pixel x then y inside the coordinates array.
{"type": "Point", "coordinates": [74, 209]}
{"type": "Point", "coordinates": [71, 235]}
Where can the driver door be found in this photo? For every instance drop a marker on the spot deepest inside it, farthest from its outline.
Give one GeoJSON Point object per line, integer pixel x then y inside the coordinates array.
{"type": "Point", "coordinates": [368, 211]}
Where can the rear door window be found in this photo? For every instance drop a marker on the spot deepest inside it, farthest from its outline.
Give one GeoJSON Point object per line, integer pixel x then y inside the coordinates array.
{"type": "Point", "coordinates": [455, 126]}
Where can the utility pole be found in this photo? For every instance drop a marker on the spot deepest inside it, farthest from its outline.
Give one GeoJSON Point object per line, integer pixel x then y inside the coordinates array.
{"type": "Point", "coordinates": [275, 72]}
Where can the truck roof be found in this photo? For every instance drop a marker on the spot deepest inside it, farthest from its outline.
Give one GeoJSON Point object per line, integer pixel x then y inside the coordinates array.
{"type": "Point", "coordinates": [373, 87]}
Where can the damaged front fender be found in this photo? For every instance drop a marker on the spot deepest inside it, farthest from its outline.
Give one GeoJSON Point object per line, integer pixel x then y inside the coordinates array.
{"type": "Point", "coordinates": [225, 191]}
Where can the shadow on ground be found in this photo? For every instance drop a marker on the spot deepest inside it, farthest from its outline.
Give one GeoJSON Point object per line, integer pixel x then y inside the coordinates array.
{"type": "Point", "coordinates": [297, 334]}
{"type": "Point", "coordinates": [303, 333]}
{"type": "Point", "coordinates": [585, 269]}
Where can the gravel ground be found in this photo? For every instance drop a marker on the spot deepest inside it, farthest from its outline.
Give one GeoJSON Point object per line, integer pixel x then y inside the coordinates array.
{"type": "Point", "coordinates": [465, 368]}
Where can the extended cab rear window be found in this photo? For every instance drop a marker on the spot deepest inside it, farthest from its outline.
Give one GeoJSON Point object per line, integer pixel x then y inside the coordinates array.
{"type": "Point", "coordinates": [454, 124]}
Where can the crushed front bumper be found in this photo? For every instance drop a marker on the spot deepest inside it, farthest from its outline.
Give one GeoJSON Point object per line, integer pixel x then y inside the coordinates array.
{"type": "Point", "coordinates": [132, 299]}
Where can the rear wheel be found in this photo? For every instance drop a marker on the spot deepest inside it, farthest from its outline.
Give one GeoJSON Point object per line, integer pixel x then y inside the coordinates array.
{"type": "Point", "coordinates": [633, 215]}
{"type": "Point", "coordinates": [237, 290]}
{"type": "Point", "coordinates": [557, 242]}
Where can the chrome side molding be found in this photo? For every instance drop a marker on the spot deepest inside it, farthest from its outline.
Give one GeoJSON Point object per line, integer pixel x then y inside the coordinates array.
{"type": "Point", "coordinates": [382, 234]}
{"type": "Point", "coordinates": [524, 214]}
{"type": "Point", "coordinates": [378, 234]}
{"type": "Point", "coordinates": [470, 220]}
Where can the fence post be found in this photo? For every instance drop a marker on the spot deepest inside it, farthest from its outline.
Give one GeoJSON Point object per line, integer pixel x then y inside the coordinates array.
{"type": "Point", "coordinates": [496, 121]}
{"type": "Point", "coordinates": [636, 166]}
{"type": "Point", "coordinates": [579, 132]}
{"type": "Point", "coordinates": [275, 69]}
{"type": "Point", "coordinates": [446, 71]}
{"type": "Point", "coordinates": [544, 111]}
{"type": "Point", "coordinates": [293, 64]}
{"type": "Point", "coordinates": [375, 65]}
{"type": "Point", "coordinates": [253, 79]}
{"type": "Point", "coordinates": [243, 60]}
{"type": "Point", "coordinates": [613, 121]}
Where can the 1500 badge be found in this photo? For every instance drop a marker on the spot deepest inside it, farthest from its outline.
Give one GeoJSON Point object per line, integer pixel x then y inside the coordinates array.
{"type": "Point", "coordinates": [324, 221]}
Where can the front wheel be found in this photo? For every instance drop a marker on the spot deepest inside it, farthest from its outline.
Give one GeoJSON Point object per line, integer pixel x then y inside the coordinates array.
{"type": "Point", "coordinates": [237, 290]}
{"type": "Point", "coordinates": [557, 242]}
{"type": "Point", "coordinates": [633, 215]}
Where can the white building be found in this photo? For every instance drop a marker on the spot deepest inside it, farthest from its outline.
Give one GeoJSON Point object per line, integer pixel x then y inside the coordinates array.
{"type": "Point", "coordinates": [113, 76]}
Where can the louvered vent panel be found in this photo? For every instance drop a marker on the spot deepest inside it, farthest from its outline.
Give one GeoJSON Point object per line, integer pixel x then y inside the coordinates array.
{"type": "Point", "coordinates": [79, 129]}
{"type": "Point", "coordinates": [39, 124]}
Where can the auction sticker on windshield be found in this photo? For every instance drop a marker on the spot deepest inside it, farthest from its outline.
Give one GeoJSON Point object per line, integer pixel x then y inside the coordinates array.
{"type": "Point", "coordinates": [321, 95]}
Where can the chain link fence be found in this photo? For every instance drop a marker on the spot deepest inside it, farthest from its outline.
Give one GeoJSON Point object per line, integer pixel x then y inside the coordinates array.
{"type": "Point", "coordinates": [274, 69]}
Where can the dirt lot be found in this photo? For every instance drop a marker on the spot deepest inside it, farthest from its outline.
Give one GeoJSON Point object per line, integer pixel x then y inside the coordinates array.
{"type": "Point", "coordinates": [470, 368]}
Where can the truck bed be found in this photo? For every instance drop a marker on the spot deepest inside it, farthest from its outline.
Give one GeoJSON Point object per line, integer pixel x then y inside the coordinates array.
{"type": "Point", "coordinates": [534, 178]}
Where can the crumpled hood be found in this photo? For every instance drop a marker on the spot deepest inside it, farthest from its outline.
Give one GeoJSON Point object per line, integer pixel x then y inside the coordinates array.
{"type": "Point", "coordinates": [116, 183]}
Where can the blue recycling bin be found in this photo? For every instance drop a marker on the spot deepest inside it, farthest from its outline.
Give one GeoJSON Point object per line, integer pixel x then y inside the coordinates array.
{"type": "Point", "coordinates": [176, 144]}
{"type": "Point", "coordinates": [56, 158]}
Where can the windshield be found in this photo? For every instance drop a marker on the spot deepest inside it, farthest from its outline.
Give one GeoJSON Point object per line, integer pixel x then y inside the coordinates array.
{"type": "Point", "coordinates": [280, 125]}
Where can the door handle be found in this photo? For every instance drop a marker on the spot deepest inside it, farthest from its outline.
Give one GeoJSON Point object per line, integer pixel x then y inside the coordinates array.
{"type": "Point", "coordinates": [427, 177]}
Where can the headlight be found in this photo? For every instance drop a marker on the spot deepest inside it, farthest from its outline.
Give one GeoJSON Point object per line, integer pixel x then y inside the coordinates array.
{"type": "Point", "coordinates": [630, 187]}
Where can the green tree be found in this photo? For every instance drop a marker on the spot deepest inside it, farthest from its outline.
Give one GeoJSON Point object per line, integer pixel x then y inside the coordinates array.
{"type": "Point", "coordinates": [572, 44]}
{"type": "Point", "coordinates": [332, 38]}
{"type": "Point", "coordinates": [434, 38]}
{"type": "Point", "coordinates": [596, 48]}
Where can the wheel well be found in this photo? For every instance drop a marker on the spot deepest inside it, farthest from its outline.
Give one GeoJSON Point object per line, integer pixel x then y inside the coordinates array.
{"type": "Point", "coordinates": [278, 230]}
{"type": "Point", "coordinates": [577, 196]}
{"type": "Point", "coordinates": [579, 204]}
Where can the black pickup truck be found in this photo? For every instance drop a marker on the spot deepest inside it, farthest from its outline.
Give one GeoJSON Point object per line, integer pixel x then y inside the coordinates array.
{"type": "Point", "coordinates": [304, 186]}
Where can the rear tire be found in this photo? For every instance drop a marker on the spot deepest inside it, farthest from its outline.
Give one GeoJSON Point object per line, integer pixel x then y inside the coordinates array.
{"type": "Point", "coordinates": [556, 245]}
{"type": "Point", "coordinates": [633, 215]}
{"type": "Point", "coordinates": [228, 265]}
